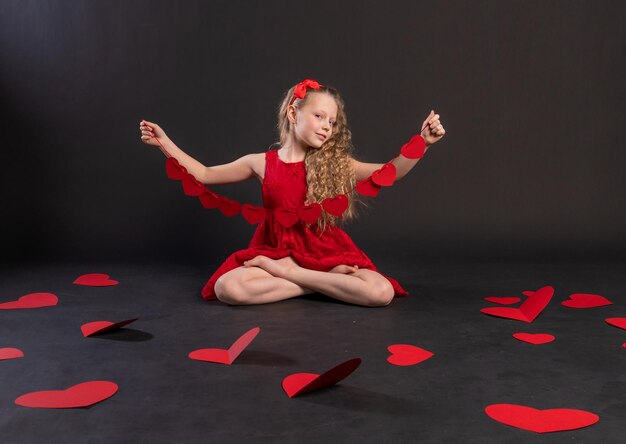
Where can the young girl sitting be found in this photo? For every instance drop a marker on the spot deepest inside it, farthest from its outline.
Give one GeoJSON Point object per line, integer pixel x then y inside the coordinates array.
{"type": "Point", "coordinates": [314, 163]}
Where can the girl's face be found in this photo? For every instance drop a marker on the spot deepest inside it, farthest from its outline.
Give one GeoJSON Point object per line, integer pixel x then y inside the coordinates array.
{"type": "Point", "coordinates": [315, 121]}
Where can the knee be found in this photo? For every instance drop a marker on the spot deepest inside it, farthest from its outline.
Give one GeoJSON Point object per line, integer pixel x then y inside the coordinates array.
{"type": "Point", "coordinates": [381, 294]}
{"type": "Point", "coordinates": [230, 291]}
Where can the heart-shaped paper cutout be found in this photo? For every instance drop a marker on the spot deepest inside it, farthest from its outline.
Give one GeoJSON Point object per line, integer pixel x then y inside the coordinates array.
{"type": "Point", "coordinates": [405, 354]}
{"type": "Point", "coordinates": [415, 148]}
{"type": "Point", "coordinates": [192, 187]}
{"type": "Point", "coordinates": [80, 395]}
{"type": "Point", "coordinates": [616, 322]}
{"type": "Point", "coordinates": [300, 383]}
{"type": "Point", "coordinates": [310, 213]}
{"type": "Point", "coordinates": [97, 327]}
{"type": "Point", "coordinates": [174, 169]}
{"type": "Point", "coordinates": [336, 205]}
{"type": "Point", "coordinates": [367, 188]}
{"type": "Point", "coordinates": [287, 217]}
{"type": "Point", "coordinates": [253, 214]}
{"type": "Point", "coordinates": [540, 421]}
{"type": "Point", "coordinates": [95, 280]}
{"type": "Point", "coordinates": [32, 300]}
{"type": "Point", "coordinates": [503, 300]}
{"type": "Point", "coordinates": [222, 356]}
{"type": "Point", "coordinates": [534, 338]}
{"type": "Point", "coordinates": [10, 353]}
{"type": "Point", "coordinates": [530, 308]}
{"type": "Point", "coordinates": [209, 199]}
{"type": "Point", "coordinates": [229, 207]}
{"type": "Point", "coordinates": [385, 176]}
{"type": "Point", "coordinates": [585, 300]}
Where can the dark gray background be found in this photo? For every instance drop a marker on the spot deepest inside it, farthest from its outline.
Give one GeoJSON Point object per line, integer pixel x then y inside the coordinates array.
{"type": "Point", "coordinates": [531, 94]}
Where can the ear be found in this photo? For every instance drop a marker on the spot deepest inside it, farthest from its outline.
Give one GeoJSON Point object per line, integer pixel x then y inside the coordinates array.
{"type": "Point", "coordinates": [291, 114]}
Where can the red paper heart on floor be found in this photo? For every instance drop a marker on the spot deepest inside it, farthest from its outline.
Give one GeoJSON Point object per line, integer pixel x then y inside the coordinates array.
{"type": "Point", "coordinates": [530, 308]}
{"type": "Point", "coordinates": [174, 169]}
{"type": "Point", "coordinates": [80, 395]}
{"type": "Point", "coordinates": [300, 383]}
{"type": "Point", "coordinates": [534, 338]}
{"type": "Point", "coordinates": [222, 356]}
{"type": "Point", "coordinates": [367, 188]}
{"type": "Point", "coordinates": [209, 199]}
{"type": "Point", "coordinates": [415, 148]}
{"type": "Point", "coordinates": [503, 300]}
{"type": "Point", "coordinates": [310, 213]}
{"type": "Point", "coordinates": [191, 186]}
{"type": "Point", "coordinates": [540, 421]}
{"type": "Point", "coordinates": [385, 176]}
{"type": "Point", "coordinates": [253, 214]}
{"type": "Point", "coordinates": [336, 205]}
{"type": "Point", "coordinates": [287, 217]}
{"type": "Point", "coordinates": [229, 207]}
{"type": "Point", "coordinates": [10, 353]}
{"type": "Point", "coordinates": [32, 300]}
{"type": "Point", "coordinates": [617, 322]}
{"type": "Point", "coordinates": [585, 300]}
{"type": "Point", "coordinates": [405, 354]}
{"type": "Point", "coordinates": [95, 280]}
{"type": "Point", "coordinates": [97, 327]}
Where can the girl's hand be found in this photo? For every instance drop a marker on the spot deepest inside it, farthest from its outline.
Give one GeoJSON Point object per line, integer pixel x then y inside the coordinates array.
{"type": "Point", "coordinates": [433, 130]}
{"type": "Point", "coordinates": [150, 132]}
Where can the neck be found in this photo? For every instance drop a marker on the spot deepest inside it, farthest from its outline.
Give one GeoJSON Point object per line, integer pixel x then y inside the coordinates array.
{"type": "Point", "coordinates": [293, 150]}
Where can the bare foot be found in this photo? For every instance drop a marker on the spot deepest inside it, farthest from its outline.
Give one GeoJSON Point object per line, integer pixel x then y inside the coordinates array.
{"type": "Point", "coordinates": [275, 267]}
{"type": "Point", "coordinates": [345, 269]}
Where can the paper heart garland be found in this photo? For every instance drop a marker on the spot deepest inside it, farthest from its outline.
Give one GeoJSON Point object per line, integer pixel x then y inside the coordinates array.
{"type": "Point", "coordinates": [534, 338]}
{"type": "Point", "coordinates": [175, 170]}
{"type": "Point", "coordinates": [95, 280]}
{"type": "Point", "coordinates": [617, 322]}
{"type": "Point", "coordinates": [98, 327]}
{"type": "Point", "coordinates": [80, 395]}
{"type": "Point", "coordinates": [585, 300]}
{"type": "Point", "coordinates": [32, 300]}
{"type": "Point", "coordinates": [540, 421]}
{"type": "Point", "coordinates": [503, 300]}
{"type": "Point", "coordinates": [405, 354]}
{"type": "Point", "coordinates": [222, 356]}
{"type": "Point", "coordinates": [530, 308]}
{"type": "Point", "coordinates": [301, 383]}
{"type": "Point", "coordinates": [10, 353]}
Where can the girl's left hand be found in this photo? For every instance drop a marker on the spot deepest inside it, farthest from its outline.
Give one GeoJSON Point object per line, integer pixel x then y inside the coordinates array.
{"type": "Point", "coordinates": [433, 129]}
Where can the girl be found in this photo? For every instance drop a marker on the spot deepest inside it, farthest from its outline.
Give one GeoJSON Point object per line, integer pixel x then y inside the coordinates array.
{"type": "Point", "coordinates": [314, 163]}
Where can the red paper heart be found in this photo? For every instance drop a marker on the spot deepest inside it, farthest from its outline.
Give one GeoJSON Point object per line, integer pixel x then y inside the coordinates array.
{"type": "Point", "coordinates": [287, 217]}
{"type": "Point", "coordinates": [97, 327]}
{"type": "Point", "coordinates": [415, 148]}
{"type": "Point", "coordinates": [504, 300]}
{"type": "Point", "coordinates": [229, 207]}
{"type": "Point", "coordinates": [222, 356]}
{"type": "Point", "coordinates": [540, 421]}
{"type": "Point", "coordinates": [530, 308]}
{"type": "Point", "coordinates": [617, 322]}
{"type": "Point", "coordinates": [95, 280]}
{"type": "Point", "coordinates": [10, 353]}
{"type": "Point", "coordinates": [367, 188]}
{"type": "Point", "coordinates": [534, 338]}
{"type": "Point", "coordinates": [405, 354]}
{"type": "Point", "coordinates": [174, 169]}
{"type": "Point", "coordinates": [209, 199]}
{"type": "Point", "coordinates": [385, 176]}
{"type": "Point", "coordinates": [336, 205]}
{"type": "Point", "coordinates": [310, 213]}
{"type": "Point", "coordinates": [253, 214]}
{"type": "Point", "coordinates": [32, 300]}
{"type": "Point", "coordinates": [584, 300]}
{"type": "Point", "coordinates": [300, 383]}
{"type": "Point", "coordinates": [191, 186]}
{"type": "Point", "coordinates": [80, 395]}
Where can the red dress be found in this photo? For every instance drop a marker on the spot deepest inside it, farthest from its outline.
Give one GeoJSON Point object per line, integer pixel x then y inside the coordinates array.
{"type": "Point", "coordinates": [284, 185]}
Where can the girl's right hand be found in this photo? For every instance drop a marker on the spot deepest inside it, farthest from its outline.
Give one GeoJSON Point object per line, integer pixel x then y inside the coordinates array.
{"type": "Point", "coordinates": [150, 132]}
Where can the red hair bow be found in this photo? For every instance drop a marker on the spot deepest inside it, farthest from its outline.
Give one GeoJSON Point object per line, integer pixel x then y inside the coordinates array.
{"type": "Point", "coordinates": [301, 88]}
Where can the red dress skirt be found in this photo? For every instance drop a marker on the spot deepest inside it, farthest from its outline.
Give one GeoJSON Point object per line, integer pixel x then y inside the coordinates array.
{"type": "Point", "coordinates": [284, 185]}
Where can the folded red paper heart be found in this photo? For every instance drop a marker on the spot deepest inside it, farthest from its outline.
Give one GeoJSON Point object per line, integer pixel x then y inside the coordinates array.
{"type": "Point", "coordinates": [10, 353]}
{"type": "Point", "coordinates": [80, 395]}
{"type": "Point", "coordinates": [616, 322]}
{"type": "Point", "coordinates": [222, 356]}
{"type": "Point", "coordinates": [95, 280]}
{"type": "Point", "coordinates": [336, 205]}
{"type": "Point", "coordinates": [98, 327]}
{"type": "Point", "coordinates": [540, 421]}
{"type": "Point", "coordinates": [32, 300]}
{"type": "Point", "coordinates": [585, 300]}
{"type": "Point", "coordinates": [406, 354]}
{"type": "Point", "coordinates": [534, 338]}
{"type": "Point", "coordinates": [253, 214]}
{"type": "Point", "coordinates": [414, 148]}
{"type": "Point", "coordinates": [503, 300]}
{"type": "Point", "coordinates": [301, 383]}
{"type": "Point", "coordinates": [530, 308]}
{"type": "Point", "coordinates": [385, 176]}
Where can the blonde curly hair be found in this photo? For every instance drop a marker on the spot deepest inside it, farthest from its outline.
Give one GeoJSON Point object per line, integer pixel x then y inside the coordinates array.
{"type": "Point", "coordinates": [329, 171]}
